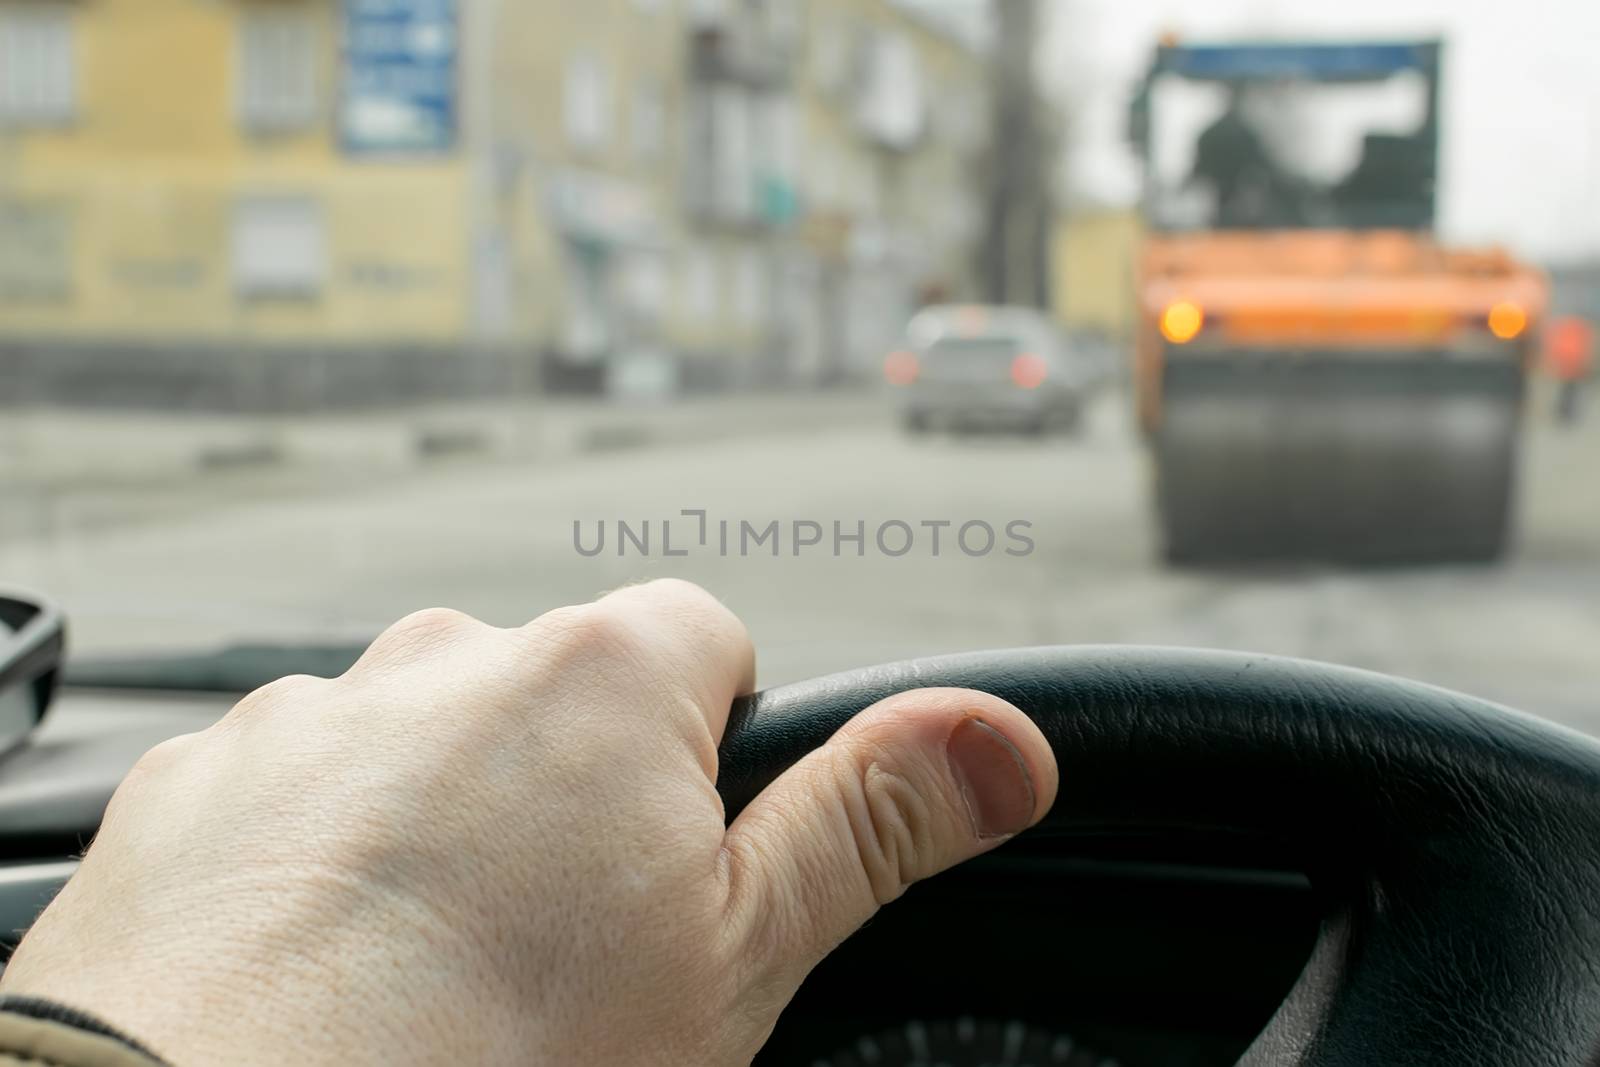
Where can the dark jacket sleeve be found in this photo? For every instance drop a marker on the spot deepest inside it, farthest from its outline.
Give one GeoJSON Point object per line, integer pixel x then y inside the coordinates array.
{"type": "Point", "coordinates": [35, 1033]}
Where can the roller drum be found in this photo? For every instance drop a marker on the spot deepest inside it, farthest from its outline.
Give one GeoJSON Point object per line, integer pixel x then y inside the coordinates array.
{"type": "Point", "coordinates": [1338, 458]}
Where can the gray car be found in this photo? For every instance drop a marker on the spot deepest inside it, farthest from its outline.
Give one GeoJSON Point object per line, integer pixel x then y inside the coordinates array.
{"type": "Point", "coordinates": [970, 367]}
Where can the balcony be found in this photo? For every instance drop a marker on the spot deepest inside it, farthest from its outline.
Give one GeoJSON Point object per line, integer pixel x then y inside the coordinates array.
{"type": "Point", "coordinates": [748, 47]}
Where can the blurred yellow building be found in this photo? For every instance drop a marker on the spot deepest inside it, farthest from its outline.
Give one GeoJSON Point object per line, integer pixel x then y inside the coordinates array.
{"type": "Point", "coordinates": [176, 196]}
{"type": "Point", "coordinates": [1095, 252]}
{"type": "Point", "coordinates": [298, 201]}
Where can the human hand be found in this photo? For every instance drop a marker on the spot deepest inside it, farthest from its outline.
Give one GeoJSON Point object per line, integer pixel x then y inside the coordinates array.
{"type": "Point", "coordinates": [502, 846]}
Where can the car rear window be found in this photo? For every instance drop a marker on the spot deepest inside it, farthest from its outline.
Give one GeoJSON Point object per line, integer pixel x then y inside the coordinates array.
{"type": "Point", "coordinates": [971, 353]}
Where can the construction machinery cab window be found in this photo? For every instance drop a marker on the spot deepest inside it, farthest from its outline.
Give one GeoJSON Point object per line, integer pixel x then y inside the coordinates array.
{"type": "Point", "coordinates": [1268, 137]}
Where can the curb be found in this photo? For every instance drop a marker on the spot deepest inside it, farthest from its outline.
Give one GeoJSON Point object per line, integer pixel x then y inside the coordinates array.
{"type": "Point", "coordinates": [63, 448]}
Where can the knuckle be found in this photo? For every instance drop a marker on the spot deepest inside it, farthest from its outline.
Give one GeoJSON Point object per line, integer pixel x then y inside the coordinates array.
{"type": "Point", "coordinates": [418, 633]}
{"type": "Point", "coordinates": [428, 624]}
{"type": "Point", "coordinates": [153, 774]}
{"type": "Point", "coordinates": [676, 589]}
{"type": "Point", "coordinates": [159, 763]}
{"type": "Point", "coordinates": [893, 829]}
{"type": "Point", "coordinates": [589, 630]}
{"type": "Point", "coordinates": [289, 689]}
{"type": "Point", "coordinates": [163, 757]}
{"type": "Point", "coordinates": [682, 600]}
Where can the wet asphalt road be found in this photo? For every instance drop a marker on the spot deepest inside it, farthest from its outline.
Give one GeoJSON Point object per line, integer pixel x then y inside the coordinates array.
{"type": "Point", "coordinates": [294, 558]}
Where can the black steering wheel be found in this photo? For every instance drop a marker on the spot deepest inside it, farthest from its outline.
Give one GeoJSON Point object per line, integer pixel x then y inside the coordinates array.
{"type": "Point", "coordinates": [1457, 842]}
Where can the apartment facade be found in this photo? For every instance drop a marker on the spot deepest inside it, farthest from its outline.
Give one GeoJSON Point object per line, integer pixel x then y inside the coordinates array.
{"type": "Point", "coordinates": [894, 109]}
{"type": "Point", "coordinates": [294, 202]}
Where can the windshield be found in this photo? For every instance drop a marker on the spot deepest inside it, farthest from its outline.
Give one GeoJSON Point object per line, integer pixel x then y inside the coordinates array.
{"type": "Point", "coordinates": [314, 313]}
{"type": "Point", "coordinates": [1286, 153]}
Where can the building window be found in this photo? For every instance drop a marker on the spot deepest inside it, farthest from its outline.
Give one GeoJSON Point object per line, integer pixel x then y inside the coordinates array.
{"type": "Point", "coordinates": [277, 69]}
{"type": "Point", "coordinates": [585, 102]}
{"type": "Point", "coordinates": [35, 250]}
{"type": "Point", "coordinates": [832, 57]}
{"type": "Point", "coordinates": [37, 78]}
{"type": "Point", "coordinates": [700, 285]}
{"type": "Point", "coordinates": [777, 159]}
{"type": "Point", "coordinates": [645, 283]}
{"type": "Point", "coordinates": [732, 154]}
{"type": "Point", "coordinates": [699, 141]}
{"type": "Point", "coordinates": [707, 12]}
{"type": "Point", "coordinates": [649, 134]}
{"type": "Point", "coordinates": [891, 108]}
{"type": "Point", "coordinates": [279, 247]}
{"type": "Point", "coordinates": [750, 287]}
{"type": "Point", "coordinates": [784, 22]}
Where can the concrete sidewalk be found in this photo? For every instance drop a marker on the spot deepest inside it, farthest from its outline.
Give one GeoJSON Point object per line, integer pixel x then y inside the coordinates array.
{"type": "Point", "coordinates": [67, 448]}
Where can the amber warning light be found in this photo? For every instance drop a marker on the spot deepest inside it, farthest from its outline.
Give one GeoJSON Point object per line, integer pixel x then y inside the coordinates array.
{"type": "Point", "coordinates": [1507, 321]}
{"type": "Point", "coordinates": [1181, 321]}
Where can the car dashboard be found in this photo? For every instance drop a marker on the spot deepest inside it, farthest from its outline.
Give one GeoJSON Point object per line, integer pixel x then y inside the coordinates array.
{"type": "Point", "coordinates": [1027, 956]}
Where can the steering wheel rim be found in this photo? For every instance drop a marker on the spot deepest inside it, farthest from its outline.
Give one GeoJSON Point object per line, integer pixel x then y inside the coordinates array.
{"type": "Point", "coordinates": [1457, 841]}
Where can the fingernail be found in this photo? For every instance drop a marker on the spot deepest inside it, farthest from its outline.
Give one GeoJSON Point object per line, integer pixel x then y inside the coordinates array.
{"type": "Point", "coordinates": [994, 779]}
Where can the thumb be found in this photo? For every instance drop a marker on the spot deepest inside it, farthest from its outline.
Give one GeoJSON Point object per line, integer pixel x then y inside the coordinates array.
{"type": "Point", "coordinates": [911, 786]}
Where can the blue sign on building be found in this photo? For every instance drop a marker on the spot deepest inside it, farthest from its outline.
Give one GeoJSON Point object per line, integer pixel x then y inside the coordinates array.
{"type": "Point", "coordinates": [400, 76]}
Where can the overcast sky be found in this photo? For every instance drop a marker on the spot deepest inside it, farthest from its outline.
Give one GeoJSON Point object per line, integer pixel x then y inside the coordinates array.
{"type": "Point", "coordinates": [1521, 149]}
